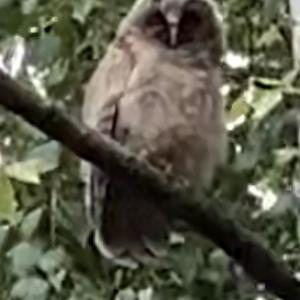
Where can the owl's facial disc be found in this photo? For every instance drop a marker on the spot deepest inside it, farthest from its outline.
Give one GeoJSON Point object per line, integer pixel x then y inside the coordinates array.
{"type": "Point", "coordinates": [179, 24]}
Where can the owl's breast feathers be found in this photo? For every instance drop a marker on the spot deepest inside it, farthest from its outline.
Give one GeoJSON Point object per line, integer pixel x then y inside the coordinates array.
{"type": "Point", "coordinates": [171, 113]}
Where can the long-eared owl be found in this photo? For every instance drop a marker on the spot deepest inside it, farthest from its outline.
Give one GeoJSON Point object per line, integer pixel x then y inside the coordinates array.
{"type": "Point", "coordinates": [156, 91]}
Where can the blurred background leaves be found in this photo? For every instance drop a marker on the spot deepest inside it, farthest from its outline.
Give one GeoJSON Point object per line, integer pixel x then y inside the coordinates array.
{"type": "Point", "coordinates": [52, 47]}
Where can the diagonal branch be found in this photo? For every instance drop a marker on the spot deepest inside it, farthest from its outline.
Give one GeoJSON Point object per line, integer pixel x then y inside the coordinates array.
{"type": "Point", "coordinates": [122, 166]}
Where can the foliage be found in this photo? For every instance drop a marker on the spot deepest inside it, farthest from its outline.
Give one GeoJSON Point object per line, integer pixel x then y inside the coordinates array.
{"type": "Point", "coordinates": [52, 47]}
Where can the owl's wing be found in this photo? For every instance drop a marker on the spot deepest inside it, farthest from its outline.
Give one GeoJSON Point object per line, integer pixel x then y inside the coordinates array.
{"type": "Point", "coordinates": [107, 84]}
{"type": "Point", "coordinates": [99, 111]}
{"type": "Point", "coordinates": [125, 227]}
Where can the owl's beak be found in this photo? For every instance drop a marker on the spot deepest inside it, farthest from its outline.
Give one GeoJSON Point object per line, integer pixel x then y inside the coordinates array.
{"type": "Point", "coordinates": [173, 22]}
{"type": "Point", "coordinates": [173, 35]}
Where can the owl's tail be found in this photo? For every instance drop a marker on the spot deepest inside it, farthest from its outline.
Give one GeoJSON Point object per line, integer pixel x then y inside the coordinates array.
{"type": "Point", "coordinates": [129, 230]}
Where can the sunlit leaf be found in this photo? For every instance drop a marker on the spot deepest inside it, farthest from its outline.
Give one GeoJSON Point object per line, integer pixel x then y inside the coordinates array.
{"type": "Point", "coordinates": [267, 196]}
{"type": "Point", "coordinates": [238, 110]}
{"type": "Point", "coordinates": [38, 162]}
{"type": "Point", "coordinates": [14, 50]}
{"type": "Point", "coordinates": [31, 222]}
{"type": "Point", "coordinates": [268, 82]}
{"type": "Point", "coordinates": [27, 171]}
{"type": "Point", "coordinates": [236, 60]}
{"type": "Point", "coordinates": [264, 101]}
{"type": "Point", "coordinates": [8, 202]}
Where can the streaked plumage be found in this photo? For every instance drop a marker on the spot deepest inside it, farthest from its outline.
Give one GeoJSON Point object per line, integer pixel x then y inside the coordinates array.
{"type": "Point", "coordinates": [156, 91]}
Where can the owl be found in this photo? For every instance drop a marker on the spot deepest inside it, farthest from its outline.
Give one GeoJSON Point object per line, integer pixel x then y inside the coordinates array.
{"type": "Point", "coordinates": [156, 92]}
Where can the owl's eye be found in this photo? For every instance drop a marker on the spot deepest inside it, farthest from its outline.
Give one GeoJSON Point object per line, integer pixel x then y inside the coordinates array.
{"type": "Point", "coordinates": [156, 27]}
{"type": "Point", "coordinates": [190, 25]}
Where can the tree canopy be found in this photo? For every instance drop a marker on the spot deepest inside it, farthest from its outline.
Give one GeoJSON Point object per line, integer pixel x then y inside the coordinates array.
{"type": "Point", "coordinates": [52, 47]}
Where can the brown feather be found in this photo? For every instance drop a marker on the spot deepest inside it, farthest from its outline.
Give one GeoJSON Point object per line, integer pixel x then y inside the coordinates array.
{"type": "Point", "coordinates": [164, 105]}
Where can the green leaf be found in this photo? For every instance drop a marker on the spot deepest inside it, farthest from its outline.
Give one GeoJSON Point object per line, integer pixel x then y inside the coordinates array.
{"type": "Point", "coordinates": [264, 101]}
{"type": "Point", "coordinates": [146, 294]}
{"type": "Point", "coordinates": [298, 229]}
{"type": "Point", "coordinates": [24, 257]}
{"type": "Point", "coordinates": [186, 261]}
{"type": "Point", "coordinates": [59, 71]}
{"type": "Point", "coordinates": [31, 288]}
{"type": "Point", "coordinates": [10, 18]}
{"type": "Point", "coordinates": [28, 6]}
{"type": "Point", "coordinates": [247, 160]}
{"type": "Point", "coordinates": [82, 8]}
{"type": "Point", "coordinates": [26, 171]}
{"type": "Point", "coordinates": [269, 37]}
{"type": "Point", "coordinates": [285, 155]}
{"type": "Point", "coordinates": [33, 132]}
{"type": "Point", "coordinates": [46, 50]}
{"type": "Point", "coordinates": [126, 294]}
{"type": "Point", "coordinates": [31, 222]}
{"type": "Point", "coordinates": [39, 161]}
{"type": "Point", "coordinates": [268, 82]}
{"type": "Point", "coordinates": [58, 279]}
{"type": "Point", "coordinates": [48, 152]}
{"type": "Point", "coordinates": [85, 289]}
{"type": "Point", "coordinates": [4, 231]}
{"type": "Point", "coordinates": [271, 9]}
{"type": "Point", "coordinates": [238, 109]}
{"type": "Point", "coordinates": [219, 260]}
{"type": "Point", "coordinates": [212, 276]}
{"type": "Point", "coordinates": [52, 260]}
{"type": "Point", "coordinates": [4, 3]}
{"type": "Point", "coordinates": [71, 217]}
{"type": "Point", "coordinates": [8, 203]}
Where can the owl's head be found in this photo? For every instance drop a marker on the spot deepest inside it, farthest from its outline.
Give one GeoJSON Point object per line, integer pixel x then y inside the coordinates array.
{"type": "Point", "coordinates": [189, 25]}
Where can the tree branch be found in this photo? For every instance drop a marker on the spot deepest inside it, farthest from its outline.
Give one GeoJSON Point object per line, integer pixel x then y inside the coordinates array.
{"type": "Point", "coordinates": [122, 166]}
